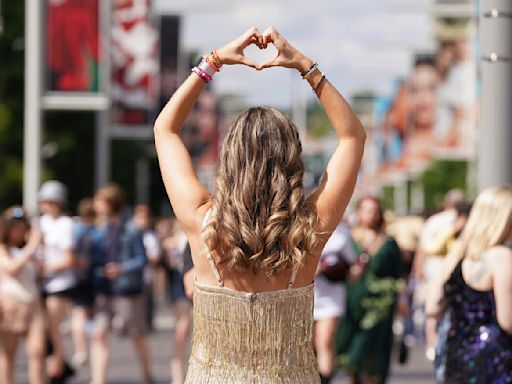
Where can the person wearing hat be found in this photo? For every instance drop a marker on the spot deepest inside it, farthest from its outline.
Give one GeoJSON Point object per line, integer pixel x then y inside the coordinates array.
{"type": "Point", "coordinates": [58, 260]}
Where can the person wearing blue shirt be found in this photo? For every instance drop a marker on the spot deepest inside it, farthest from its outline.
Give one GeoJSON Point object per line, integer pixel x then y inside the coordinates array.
{"type": "Point", "coordinates": [119, 282]}
{"type": "Point", "coordinates": [87, 243]}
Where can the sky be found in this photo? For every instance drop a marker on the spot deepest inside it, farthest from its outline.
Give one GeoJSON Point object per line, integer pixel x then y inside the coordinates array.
{"type": "Point", "coordinates": [359, 44]}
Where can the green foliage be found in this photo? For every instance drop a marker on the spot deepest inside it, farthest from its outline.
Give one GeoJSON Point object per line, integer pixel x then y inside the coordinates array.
{"type": "Point", "coordinates": [379, 304]}
{"type": "Point", "coordinates": [124, 157]}
{"type": "Point", "coordinates": [70, 134]}
{"type": "Point", "coordinates": [318, 124]}
{"type": "Point", "coordinates": [440, 177]}
{"type": "Point", "coordinates": [11, 103]}
{"type": "Point", "coordinates": [437, 179]}
{"type": "Point", "coordinates": [388, 197]}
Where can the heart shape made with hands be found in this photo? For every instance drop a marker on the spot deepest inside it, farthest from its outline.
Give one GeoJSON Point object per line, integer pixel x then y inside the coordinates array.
{"type": "Point", "coordinates": [260, 55]}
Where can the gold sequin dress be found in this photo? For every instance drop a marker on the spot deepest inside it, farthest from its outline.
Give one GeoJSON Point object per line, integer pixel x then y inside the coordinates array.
{"type": "Point", "coordinates": [252, 338]}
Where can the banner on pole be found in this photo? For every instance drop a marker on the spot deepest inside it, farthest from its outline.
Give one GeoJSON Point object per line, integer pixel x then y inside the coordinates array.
{"type": "Point", "coordinates": [75, 57]}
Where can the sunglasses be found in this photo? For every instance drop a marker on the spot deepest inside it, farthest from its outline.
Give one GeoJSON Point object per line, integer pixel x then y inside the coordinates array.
{"type": "Point", "coordinates": [17, 213]}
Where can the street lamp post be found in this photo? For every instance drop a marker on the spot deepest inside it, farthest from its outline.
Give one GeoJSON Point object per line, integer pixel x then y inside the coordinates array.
{"type": "Point", "coordinates": [495, 144]}
{"type": "Point", "coordinates": [32, 112]}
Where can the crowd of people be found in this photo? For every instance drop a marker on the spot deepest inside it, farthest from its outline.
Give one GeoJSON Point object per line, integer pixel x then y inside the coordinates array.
{"type": "Point", "coordinates": [99, 272]}
{"type": "Point", "coordinates": [107, 271]}
{"type": "Point", "coordinates": [446, 278]}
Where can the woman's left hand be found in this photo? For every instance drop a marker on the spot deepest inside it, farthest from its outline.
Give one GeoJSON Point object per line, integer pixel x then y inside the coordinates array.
{"type": "Point", "coordinates": [233, 53]}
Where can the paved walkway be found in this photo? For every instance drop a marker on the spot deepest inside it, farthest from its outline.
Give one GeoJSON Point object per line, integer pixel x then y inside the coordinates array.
{"type": "Point", "coordinates": [125, 370]}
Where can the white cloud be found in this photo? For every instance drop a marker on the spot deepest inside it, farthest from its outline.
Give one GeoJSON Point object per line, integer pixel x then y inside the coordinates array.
{"type": "Point", "coordinates": [359, 44]}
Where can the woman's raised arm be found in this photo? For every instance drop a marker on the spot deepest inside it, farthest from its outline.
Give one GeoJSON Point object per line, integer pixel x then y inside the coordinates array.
{"type": "Point", "coordinates": [184, 189]}
{"type": "Point", "coordinates": [334, 192]}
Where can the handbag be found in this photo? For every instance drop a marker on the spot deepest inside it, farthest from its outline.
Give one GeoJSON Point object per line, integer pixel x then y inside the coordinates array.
{"type": "Point", "coordinates": [334, 266]}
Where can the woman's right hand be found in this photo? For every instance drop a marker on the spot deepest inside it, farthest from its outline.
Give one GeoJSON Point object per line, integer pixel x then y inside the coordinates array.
{"type": "Point", "coordinates": [233, 52]}
{"type": "Point", "coordinates": [287, 55]}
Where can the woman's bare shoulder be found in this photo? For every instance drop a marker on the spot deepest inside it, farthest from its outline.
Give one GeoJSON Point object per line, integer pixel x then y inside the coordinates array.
{"type": "Point", "coordinates": [500, 256]}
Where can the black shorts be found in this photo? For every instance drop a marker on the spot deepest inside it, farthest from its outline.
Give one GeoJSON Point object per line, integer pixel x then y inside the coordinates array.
{"type": "Point", "coordinates": [65, 294]}
{"type": "Point", "coordinates": [83, 295]}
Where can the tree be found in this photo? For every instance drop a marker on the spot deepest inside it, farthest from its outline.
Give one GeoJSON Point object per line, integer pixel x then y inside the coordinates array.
{"type": "Point", "coordinates": [11, 103]}
{"type": "Point", "coordinates": [68, 137]}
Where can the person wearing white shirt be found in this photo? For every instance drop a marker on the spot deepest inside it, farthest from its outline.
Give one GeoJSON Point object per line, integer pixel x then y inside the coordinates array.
{"type": "Point", "coordinates": [330, 298]}
{"type": "Point", "coordinates": [58, 261]}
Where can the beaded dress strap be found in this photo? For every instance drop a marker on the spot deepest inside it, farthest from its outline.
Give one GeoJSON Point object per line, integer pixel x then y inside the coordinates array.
{"type": "Point", "coordinates": [292, 277]}
{"type": "Point", "coordinates": [213, 266]}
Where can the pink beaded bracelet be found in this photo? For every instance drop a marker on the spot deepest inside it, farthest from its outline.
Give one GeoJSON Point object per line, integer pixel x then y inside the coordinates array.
{"type": "Point", "coordinates": [207, 68]}
{"type": "Point", "coordinates": [202, 74]}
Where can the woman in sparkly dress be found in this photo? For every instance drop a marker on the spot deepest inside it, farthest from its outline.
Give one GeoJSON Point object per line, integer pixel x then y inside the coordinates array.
{"type": "Point", "coordinates": [256, 240]}
{"type": "Point", "coordinates": [473, 301]}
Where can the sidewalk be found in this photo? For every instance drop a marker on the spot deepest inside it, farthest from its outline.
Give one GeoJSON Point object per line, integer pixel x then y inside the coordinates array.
{"type": "Point", "coordinates": [123, 367]}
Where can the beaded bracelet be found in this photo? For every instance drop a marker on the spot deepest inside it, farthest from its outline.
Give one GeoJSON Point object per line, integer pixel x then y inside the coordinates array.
{"type": "Point", "coordinates": [216, 59]}
{"type": "Point", "coordinates": [310, 71]}
{"type": "Point", "coordinates": [207, 68]}
{"type": "Point", "coordinates": [211, 63]}
{"type": "Point", "coordinates": [202, 74]}
{"type": "Point", "coordinates": [317, 86]}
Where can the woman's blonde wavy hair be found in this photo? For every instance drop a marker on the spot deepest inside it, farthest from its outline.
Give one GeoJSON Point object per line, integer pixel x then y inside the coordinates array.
{"type": "Point", "coordinates": [260, 219]}
{"type": "Point", "coordinates": [489, 222]}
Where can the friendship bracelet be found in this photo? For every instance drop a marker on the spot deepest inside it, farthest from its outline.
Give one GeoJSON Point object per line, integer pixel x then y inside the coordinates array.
{"type": "Point", "coordinates": [216, 59]}
{"type": "Point", "coordinates": [310, 71]}
{"type": "Point", "coordinates": [207, 68]}
{"type": "Point", "coordinates": [202, 74]}
{"type": "Point", "coordinates": [209, 60]}
{"type": "Point", "coordinates": [317, 86]}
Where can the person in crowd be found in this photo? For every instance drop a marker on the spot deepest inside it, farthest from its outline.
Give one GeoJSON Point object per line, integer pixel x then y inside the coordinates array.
{"type": "Point", "coordinates": [119, 282]}
{"type": "Point", "coordinates": [471, 301]}
{"type": "Point", "coordinates": [87, 246]}
{"type": "Point", "coordinates": [21, 312]}
{"type": "Point", "coordinates": [256, 241]}
{"type": "Point", "coordinates": [178, 251]}
{"type": "Point", "coordinates": [457, 99]}
{"type": "Point", "coordinates": [164, 228]}
{"type": "Point", "coordinates": [143, 218]}
{"type": "Point", "coordinates": [188, 273]}
{"type": "Point", "coordinates": [427, 265]}
{"type": "Point", "coordinates": [59, 270]}
{"type": "Point", "coordinates": [365, 337]}
{"type": "Point", "coordinates": [406, 230]}
{"type": "Point", "coordinates": [444, 241]}
{"type": "Point", "coordinates": [335, 261]}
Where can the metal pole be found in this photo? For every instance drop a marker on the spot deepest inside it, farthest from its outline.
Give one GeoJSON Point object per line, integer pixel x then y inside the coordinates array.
{"type": "Point", "coordinates": [32, 113]}
{"type": "Point", "coordinates": [101, 150]}
{"type": "Point", "coordinates": [495, 150]}
{"type": "Point", "coordinates": [102, 126]}
{"type": "Point", "coordinates": [142, 180]}
{"type": "Point", "coordinates": [417, 198]}
{"type": "Point", "coordinates": [400, 196]}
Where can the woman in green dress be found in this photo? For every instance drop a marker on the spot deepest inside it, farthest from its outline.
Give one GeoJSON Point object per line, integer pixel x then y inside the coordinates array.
{"type": "Point", "coordinates": [365, 336]}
